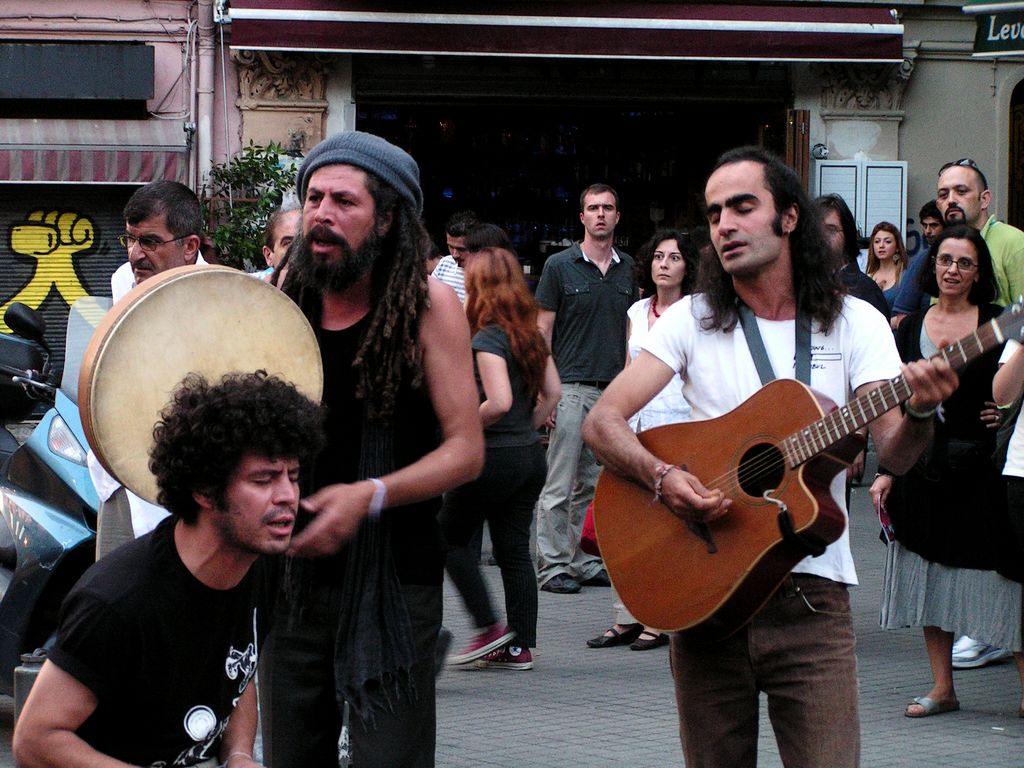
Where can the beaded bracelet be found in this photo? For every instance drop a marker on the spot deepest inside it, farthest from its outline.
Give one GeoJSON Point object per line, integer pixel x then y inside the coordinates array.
{"type": "Point", "coordinates": [659, 476]}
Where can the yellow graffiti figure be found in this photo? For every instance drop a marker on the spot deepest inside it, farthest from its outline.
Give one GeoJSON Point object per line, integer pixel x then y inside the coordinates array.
{"type": "Point", "coordinates": [52, 238]}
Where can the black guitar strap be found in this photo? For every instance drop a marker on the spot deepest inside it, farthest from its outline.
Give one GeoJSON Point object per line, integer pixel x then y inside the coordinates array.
{"type": "Point", "coordinates": [760, 355]}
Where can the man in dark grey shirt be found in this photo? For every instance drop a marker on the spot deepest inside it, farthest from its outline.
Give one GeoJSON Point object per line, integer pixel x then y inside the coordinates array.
{"type": "Point", "coordinates": [584, 293]}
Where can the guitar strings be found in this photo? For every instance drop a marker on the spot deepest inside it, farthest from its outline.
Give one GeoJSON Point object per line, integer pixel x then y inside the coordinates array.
{"type": "Point", "coordinates": [775, 457]}
{"type": "Point", "coordinates": [767, 463]}
{"type": "Point", "coordinates": [770, 461]}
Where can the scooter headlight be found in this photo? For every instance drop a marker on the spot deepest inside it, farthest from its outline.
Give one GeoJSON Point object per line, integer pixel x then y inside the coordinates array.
{"type": "Point", "coordinates": [63, 442]}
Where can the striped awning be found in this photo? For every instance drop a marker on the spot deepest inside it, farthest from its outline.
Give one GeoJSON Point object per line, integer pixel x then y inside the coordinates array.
{"type": "Point", "coordinates": [595, 29]}
{"type": "Point", "coordinates": [92, 151]}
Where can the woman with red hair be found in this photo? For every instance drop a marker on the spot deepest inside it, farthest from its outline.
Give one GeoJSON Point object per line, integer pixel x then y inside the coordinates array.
{"type": "Point", "coordinates": [519, 387]}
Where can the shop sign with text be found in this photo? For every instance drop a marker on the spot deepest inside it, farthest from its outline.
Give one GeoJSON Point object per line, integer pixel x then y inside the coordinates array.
{"type": "Point", "coordinates": [999, 34]}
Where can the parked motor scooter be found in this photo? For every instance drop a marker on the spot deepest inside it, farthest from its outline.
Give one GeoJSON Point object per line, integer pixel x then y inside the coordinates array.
{"type": "Point", "coordinates": [47, 501]}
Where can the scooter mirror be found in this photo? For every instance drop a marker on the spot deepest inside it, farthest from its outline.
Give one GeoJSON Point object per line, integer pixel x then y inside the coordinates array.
{"type": "Point", "coordinates": [26, 322]}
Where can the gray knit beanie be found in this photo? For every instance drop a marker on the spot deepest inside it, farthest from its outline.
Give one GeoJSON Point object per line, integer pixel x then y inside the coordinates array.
{"type": "Point", "coordinates": [394, 166]}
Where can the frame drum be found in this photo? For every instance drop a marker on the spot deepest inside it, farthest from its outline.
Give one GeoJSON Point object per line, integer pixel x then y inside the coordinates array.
{"type": "Point", "coordinates": [194, 319]}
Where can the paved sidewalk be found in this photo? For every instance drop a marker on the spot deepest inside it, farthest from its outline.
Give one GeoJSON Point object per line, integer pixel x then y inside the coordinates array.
{"type": "Point", "coordinates": [585, 708]}
{"type": "Point", "coordinates": [588, 708]}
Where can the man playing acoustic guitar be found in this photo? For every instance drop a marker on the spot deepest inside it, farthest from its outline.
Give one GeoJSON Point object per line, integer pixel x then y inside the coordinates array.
{"type": "Point", "coordinates": [798, 647]}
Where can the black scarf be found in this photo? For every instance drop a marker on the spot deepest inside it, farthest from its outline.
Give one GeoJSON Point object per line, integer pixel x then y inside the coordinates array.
{"type": "Point", "coordinates": [374, 648]}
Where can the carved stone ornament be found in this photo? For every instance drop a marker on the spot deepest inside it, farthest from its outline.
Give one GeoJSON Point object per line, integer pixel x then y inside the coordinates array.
{"type": "Point", "coordinates": [864, 87]}
{"type": "Point", "coordinates": [266, 78]}
{"type": "Point", "coordinates": [281, 98]}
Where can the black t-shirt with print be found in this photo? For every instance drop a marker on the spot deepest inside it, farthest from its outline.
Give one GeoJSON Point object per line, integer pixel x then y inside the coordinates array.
{"type": "Point", "coordinates": [166, 656]}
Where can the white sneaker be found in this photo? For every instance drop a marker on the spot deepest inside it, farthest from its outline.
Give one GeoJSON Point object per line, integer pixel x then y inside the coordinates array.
{"type": "Point", "coordinates": [970, 654]}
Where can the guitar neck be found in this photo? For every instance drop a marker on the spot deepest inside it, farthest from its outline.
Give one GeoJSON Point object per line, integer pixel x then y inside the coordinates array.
{"type": "Point", "coordinates": [823, 434]}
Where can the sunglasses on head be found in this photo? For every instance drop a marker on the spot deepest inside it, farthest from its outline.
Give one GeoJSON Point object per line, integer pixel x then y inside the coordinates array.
{"type": "Point", "coordinates": [966, 162]}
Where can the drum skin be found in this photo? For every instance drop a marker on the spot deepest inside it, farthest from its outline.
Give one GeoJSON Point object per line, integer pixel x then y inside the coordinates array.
{"type": "Point", "coordinates": [193, 319]}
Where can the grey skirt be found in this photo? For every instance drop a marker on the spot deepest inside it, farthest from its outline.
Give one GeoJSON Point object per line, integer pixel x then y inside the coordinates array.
{"type": "Point", "coordinates": [964, 601]}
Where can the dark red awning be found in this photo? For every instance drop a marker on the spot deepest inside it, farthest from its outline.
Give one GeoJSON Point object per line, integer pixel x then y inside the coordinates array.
{"type": "Point", "coordinates": [92, 151]}
{"type": "Point", "coordinates": [598, 29]}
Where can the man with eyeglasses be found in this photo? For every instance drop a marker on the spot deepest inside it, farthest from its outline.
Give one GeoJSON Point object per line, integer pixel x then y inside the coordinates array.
{"type": "Point", "coordinates": [963, 197]}
{"type": "Point", "coordinates": [163, 223]}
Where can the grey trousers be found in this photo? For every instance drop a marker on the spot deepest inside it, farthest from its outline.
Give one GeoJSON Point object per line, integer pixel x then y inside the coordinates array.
{"type": "Point", "coordinates": [568, 490]}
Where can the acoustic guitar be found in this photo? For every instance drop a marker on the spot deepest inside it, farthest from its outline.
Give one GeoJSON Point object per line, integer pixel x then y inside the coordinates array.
{"type": "Point", "coordinates": [775, 456]}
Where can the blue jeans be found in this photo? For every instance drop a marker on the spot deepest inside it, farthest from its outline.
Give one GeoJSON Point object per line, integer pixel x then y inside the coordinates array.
{"type": "Point", "coordinates": [568, 490]}
{"type": "Point", "coordinates": [799, 650]}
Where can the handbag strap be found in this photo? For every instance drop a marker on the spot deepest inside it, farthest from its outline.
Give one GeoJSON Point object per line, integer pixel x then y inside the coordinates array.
{"type": "Point", "coordinates": [760, 354]}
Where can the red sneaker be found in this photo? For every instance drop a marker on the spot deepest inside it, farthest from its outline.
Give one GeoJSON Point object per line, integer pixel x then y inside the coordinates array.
{"type": "Point", "coordinates": [509, 657]}
{"type": "Point", "coordinates": [495, 636]}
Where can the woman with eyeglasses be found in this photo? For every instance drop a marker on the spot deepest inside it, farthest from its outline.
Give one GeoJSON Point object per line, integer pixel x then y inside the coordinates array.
{"type": "Point", "coordinates": [887, 258]}
{"type": "Point", "coordinates": [951, 566]}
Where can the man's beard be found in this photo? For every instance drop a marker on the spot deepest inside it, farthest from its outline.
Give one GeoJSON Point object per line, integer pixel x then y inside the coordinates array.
{"type": "Point", "coordinates": [959, 218]}
{"type": "Point", "coordinates": [334, 277]}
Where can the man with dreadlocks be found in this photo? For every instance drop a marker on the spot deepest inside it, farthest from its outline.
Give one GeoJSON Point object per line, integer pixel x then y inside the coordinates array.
{"type": "Point", "coordinates": [359, 623]}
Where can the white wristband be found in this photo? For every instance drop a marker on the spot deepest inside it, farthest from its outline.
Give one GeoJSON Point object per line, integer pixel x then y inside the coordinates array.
{"type": "Point", "coordinates": [379, 500]}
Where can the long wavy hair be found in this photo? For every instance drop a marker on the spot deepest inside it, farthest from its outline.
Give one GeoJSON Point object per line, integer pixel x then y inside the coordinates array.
{"type": "Point", "coordinates": [818, 291]}
{"type": "Point", "coordinates": [389, 353]}
{"type": "Point", "coordinates": [899, 258]}
{"type": "Point", "coordinates": [497, 294]}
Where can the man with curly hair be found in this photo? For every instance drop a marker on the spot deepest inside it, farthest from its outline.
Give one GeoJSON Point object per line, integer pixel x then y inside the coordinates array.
{"type": "Point", "coordinates": [403, 427]}
{"type": "Point", "coordinates": [158, 641]}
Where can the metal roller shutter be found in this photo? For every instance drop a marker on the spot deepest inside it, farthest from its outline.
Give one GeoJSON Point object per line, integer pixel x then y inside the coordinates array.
{"type": "Point", "coordinates": [57, 243]}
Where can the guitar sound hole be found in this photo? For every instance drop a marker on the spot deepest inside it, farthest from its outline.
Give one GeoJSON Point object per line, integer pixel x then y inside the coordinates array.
{"type": "Point", "coordinates": [761, 469]}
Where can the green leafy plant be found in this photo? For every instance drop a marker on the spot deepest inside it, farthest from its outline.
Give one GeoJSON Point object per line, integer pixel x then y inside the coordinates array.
{"type": "Point", "coordinates": [242, 194]}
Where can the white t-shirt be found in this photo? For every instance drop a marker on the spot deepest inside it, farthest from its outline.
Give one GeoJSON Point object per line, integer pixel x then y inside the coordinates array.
{"type": "Point", "coordinates": [719, 374]}
{"type": "Point", "coordinates": [668, 406]}
{"type": "Point", "coordinates": [1015, 448]}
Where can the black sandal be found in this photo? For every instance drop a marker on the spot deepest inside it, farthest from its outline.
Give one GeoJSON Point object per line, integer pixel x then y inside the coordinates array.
{"type": "Point", "coordinates": [625, 637]}
{"type": "Point", "coordinates": [657, 639]}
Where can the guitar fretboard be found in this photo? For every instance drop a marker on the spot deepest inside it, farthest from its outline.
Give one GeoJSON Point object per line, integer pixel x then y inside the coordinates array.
{"type": "Point", "coordinates": [818, 437]}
